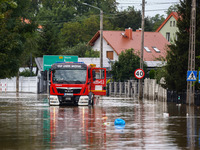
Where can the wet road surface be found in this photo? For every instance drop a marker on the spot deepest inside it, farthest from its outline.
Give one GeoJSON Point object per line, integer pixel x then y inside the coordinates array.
{"type": "Point", "coordinates": [27, 122]}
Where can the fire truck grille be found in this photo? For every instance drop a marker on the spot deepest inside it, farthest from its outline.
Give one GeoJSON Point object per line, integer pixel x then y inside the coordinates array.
{"type": "Point", "coordinates": [75, 91]}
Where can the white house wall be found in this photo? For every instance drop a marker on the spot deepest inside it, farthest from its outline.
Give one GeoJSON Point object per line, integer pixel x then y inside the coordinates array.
{"type": "Point", "coordinates": [171, 29]}
{"type": "Point", "coordinates": [106, 47]}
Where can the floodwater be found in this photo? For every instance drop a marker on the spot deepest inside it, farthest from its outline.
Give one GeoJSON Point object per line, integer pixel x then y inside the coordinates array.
{"type": "Point", "coordinates": [27, 122]}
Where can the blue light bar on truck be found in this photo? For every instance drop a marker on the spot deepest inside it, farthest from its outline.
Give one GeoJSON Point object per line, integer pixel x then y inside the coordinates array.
{"type": "Point", "coordinates": [79, 62]}
{"type": "Point", "coordinates": [69, 62]}
{"type": "Point", "coordinates": [58, 62]}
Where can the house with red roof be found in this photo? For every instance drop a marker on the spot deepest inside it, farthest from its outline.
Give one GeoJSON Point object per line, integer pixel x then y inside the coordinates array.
{"type": "Point", "coordinates": [114, 42]}
{"type": "Point", "coordinates": [169, 27]}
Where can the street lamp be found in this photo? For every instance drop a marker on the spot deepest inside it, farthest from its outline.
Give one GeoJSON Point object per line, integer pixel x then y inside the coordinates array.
{"type": "Point", "coordinates": [101, 33]}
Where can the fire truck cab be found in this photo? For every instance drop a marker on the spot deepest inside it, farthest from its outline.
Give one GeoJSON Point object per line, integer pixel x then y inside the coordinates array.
{"type": "Point", "coordinates": [76, 83]}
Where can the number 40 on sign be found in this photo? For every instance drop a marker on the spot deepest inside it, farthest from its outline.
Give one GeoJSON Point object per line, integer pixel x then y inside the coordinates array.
{"type": "Point", "coordinates": [139, 73]}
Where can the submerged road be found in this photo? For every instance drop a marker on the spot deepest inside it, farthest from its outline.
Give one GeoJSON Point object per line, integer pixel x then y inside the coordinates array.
{"type": "Point", "coordinates": [27, 122]}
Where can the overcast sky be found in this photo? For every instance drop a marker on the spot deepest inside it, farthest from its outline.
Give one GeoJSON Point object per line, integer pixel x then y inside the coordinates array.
{"type": "Point", "coordinates": [152, 7]}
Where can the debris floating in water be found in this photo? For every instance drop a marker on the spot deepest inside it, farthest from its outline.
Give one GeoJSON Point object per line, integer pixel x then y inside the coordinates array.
{"type": "Point", "coordinates": [105, 118]}
{"type": "Point", "coordinates": [106, 123]}
{"type": "Point", "coordinates": [165, 115]}
{"type": "Point", "coordinates": [119, 122]}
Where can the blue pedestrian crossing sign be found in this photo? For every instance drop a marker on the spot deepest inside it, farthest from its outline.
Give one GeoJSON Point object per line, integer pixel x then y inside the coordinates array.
{"type": "Point", "coordinates": [191, 75]}
{"type": "Point", "coordinates": [199, 76]}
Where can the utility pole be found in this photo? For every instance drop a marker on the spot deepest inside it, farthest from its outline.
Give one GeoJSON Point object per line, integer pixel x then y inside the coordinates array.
{"type": "Point", "coordinates": [101, 35]}
{"type": "Point", "coordinates": [101, 38]}
{"type": "Point", "coordinates": [191, 53]}
{"type": "Point", "coordinates": [101, 43]}
{"type": "Point", "coordinates": [141, 53]}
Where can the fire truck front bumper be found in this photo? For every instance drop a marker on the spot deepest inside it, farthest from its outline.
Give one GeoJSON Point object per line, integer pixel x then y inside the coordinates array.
{"type": "Point", "coordinates": [53, 100]}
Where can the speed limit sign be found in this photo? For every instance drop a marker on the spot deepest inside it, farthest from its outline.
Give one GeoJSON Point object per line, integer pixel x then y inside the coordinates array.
{"type": "Point", "coordinates": [139, 73]}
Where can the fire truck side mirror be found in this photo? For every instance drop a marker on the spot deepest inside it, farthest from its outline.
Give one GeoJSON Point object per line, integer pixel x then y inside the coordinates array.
{"type": "Point", "coordinates": [93, 75]}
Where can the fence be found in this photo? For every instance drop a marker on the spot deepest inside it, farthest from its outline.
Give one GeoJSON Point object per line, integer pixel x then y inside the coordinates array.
{"type": "Point", "coordinates": [151, 90]}
{"type": "Point", "coordinates": [154, 91]}
{"type": "Point", "coordinates": [26, 84]}
{"type": "Point", "coordinates": [123, 89]}
{"type": "Point", "coordinates": [180, 97]}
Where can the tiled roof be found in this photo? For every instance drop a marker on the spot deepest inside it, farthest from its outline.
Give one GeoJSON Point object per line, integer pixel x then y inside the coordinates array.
{"type": "Point", "coordinates": [119, 43]}
{"type": "Point", "coordinates": [174, 14]}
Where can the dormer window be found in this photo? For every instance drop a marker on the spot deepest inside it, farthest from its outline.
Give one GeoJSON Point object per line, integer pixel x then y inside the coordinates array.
{"type": "Point", "coordinates": [147, 49]}
{"type": "Point", "coordinates": [156, 49]}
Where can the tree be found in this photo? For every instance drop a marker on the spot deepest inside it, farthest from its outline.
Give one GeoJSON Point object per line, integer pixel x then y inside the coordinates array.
{"type": "Point", "coordinates": [81, 50]}
{"type": "Point", "coordinates": [13, 38]}
{"type": "Point", "coordinates": [31, 48]}
{"type": "Point", "coordinates": [152, 74]}
{"type": "Point", "coordinates": [160, 72]}
{"type": "Point", "coordinates": [129, 18]}
{"type": "Point", "coordinates": [124, 68]}
{"type": "Point", "coordinates": [71, 34]}
{"type": "Point", "coordinates": [177, 55]}
{"type": "Point", "coordinates": [82, 30]}
{"type": "Point", "coordinates": [49, 41]}
{"type": "Point", "coordinates": [108, 6]}
{"type": "Point", "coordinates": [4, 4]}
{"type": "Point", "coordinates": [172, 8]}
{"type": "Point", "coordinates": [57, 15]}
{"type": "Point", "coordinates": [156, 21]}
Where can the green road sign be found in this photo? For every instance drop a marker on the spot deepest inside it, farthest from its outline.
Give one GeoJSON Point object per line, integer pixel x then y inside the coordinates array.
{"type": "Point", "coordinates": [48, 60]}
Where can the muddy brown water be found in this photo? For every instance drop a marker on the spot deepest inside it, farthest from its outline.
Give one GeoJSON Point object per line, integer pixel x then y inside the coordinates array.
{"type": "Point", "coordinates": [27, 122]}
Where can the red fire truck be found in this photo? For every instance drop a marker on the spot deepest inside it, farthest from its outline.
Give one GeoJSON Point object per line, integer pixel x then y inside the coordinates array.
{"type": "Point", "coordinates": [76, 83]}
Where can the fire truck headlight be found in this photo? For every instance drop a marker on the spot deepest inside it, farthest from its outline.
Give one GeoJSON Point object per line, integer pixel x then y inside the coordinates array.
{"type": "Point", "coordinates": [86, 98]}
{"type": "Point", "coordinates": [53, 100]}
{"type": "Point", "coordinates": [83, 100]}
{"type": "Point", "coordinates": [53, 97]}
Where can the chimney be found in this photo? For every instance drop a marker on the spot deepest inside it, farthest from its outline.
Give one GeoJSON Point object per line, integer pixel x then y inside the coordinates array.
{"type": "Point", "coordinates": [128, 33]}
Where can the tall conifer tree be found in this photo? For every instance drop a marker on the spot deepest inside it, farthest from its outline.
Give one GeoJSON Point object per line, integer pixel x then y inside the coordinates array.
{"type": "Point", "coordinates": [177, 56]}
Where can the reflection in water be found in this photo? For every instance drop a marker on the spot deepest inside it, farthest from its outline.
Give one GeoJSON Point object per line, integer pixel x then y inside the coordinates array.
{"type": "Point", "coordinates": [184, 124]}
{"type": "Point", "coordinates": [89, 127]}
{"type": "Point", "coordinates": [29, 123]}
{"type": "Point", "coordinates": [72, 126]}
{"type": "Point", "coordinates": [190, 127]}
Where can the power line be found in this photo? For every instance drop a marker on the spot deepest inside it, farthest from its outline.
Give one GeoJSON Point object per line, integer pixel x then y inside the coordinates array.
{"type": "Point", "coordinates": [155, 10]}
{"type": "Point", "coordinates": [151, 3]}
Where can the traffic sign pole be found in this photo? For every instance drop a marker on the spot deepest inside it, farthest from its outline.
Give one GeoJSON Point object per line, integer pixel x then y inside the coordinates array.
{"type": "Point", "coordinates": [139, 74]}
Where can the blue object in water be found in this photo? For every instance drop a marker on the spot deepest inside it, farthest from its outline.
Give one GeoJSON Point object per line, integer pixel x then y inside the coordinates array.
{"type": "Point", "coordinates": [119, 122]}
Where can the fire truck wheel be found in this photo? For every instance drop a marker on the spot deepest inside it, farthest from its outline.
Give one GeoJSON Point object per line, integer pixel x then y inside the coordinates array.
{"type": "Point", "coordinates": [76, 101]}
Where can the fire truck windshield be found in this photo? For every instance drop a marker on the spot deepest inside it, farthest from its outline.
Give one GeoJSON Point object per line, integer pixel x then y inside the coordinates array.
{"type": "Point", "coordinates": [69, 76]}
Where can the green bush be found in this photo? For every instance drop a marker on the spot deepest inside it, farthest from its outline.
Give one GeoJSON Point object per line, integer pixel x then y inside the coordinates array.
{"type": "Point", "coordinates": [26, 73]}
{"type": "Point", "coordinates": [124, 68]}
{"type": "Point", "coordinates": [152, 74]}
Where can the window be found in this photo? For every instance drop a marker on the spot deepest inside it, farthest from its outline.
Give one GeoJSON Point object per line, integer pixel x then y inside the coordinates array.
{"type": "Point", "coordinates": [168, 36]}
{"type": "Point", "coordinates": [170, 23]}
{"type": "Point", "coordinates": [174, 23]}
{"type": "Point", "coordinates": [97, 73]}
{"type": "Point", "coordinates": [109, 54]}
{"type": "Point", "coordinates": [156, 49]}
{"type": "Point", "coordinates": [147, 49]}
{"type": "Point", "coordinates": [71, 76]}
